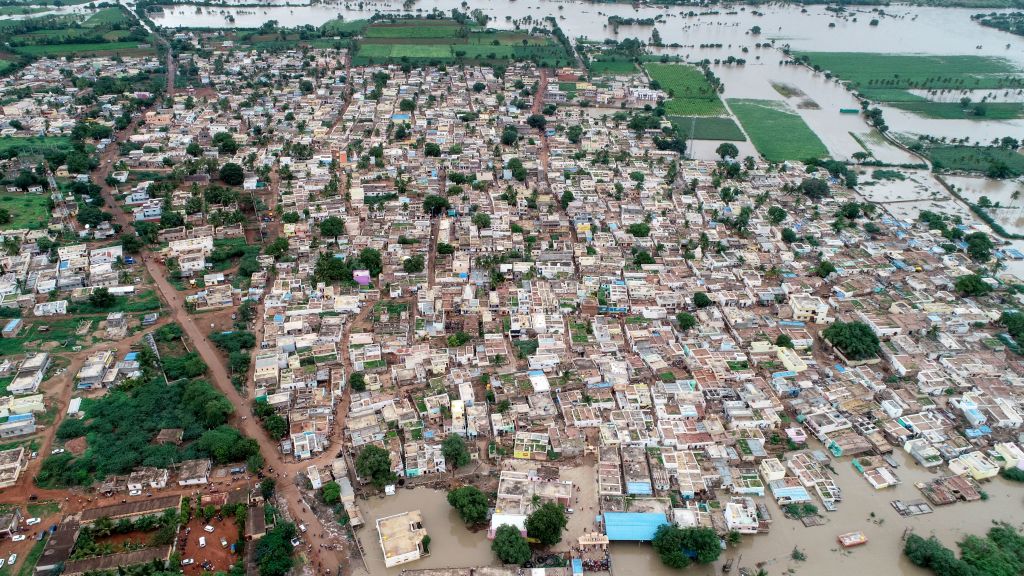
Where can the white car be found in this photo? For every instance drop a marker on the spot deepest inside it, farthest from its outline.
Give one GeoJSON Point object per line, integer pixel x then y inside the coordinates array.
{"type": "Point", "coordinates": [302, 527]}
{"type": "Point", "coordinates": [208, 529]}
{"type": "Point", "coordinates": [32, 521]}
{"type": "Point", "coordinates": [17, 538]}
{"type": "Point", "coordinates": [57, 451]}
{"type": "Point", "coordinates": [296, 542]}
{"type": "Point", "coordinates": [187, 561]}
{"type": "Point", "coordinates": [135, 492]}
{"type": "Point", "coordinates": [12, 559]}
{"type": "Point", "coordinates": [2, 562]}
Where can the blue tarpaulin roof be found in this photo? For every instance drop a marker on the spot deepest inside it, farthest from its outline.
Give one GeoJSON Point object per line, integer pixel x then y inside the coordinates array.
{"type": "Point", "coordinates": [633, 526]}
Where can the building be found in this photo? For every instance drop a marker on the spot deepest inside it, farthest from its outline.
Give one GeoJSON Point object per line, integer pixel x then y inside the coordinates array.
{"type": "Point", "coordinates": [632, 526]}
{"type": "Point", "coordinates": [194, 472]}
{"type": "Point", "coordinates": [401, 538]}
{"type": "Point", "coordinates": [12, 463]}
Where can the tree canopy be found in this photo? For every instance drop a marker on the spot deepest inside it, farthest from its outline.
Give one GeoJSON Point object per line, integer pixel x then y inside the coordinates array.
{"type": "Point", "coordinates": [470, 503]}
{"type": "Point", "coordinates": [546, 523]}
{"type": "Point", "coordinates": [455, 452]}
{"type": "Point", "coordinates": [676, 546]}
{"type": "Point", "coordinates": [854, 339]}
{"type": "Point", "coordinates": [509, 545]}
{"type": "Point", "coordinates": [374, 464]}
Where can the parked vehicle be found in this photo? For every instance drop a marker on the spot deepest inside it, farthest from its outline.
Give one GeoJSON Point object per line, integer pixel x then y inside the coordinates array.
{"type": "Point", "coordinates": [208, 529]}
{"type": "Point", "coordinates": [202, 541]}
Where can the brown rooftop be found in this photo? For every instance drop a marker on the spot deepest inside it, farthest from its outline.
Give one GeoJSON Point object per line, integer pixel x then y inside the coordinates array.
{"type": "Point", "coordinates": [130, 509]}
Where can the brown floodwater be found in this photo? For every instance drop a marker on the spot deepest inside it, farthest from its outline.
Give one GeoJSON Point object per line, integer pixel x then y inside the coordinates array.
{"type": "Point", "coordinates": [862, 508]}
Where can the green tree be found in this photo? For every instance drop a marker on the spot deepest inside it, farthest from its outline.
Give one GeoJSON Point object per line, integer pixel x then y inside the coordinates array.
{"type": "Point", "coordinates": [788, 235]}
{"type": "Point", "coordinates": [814, 188]}
{"type": "Point", "coordinates": [456, 455]}
{"type": "Point", "coordinates": [546, 523]}
{"type": "Point", "coordinates": [566, 199]}
{"type": "Point", "coordinates": [727, 150]}
{"type": "Point", "coordinates": [776, 215]}
{"type": "Point", "coordinates": [435, 205]}
{"type": "Point", "coordinates": [639, 230]}
{"type": "Point", "coordinates": [371, 258]}
{"type": "Point", "coordinates": [470, 503]}
{"type": "Point", "coordinates": [330, 492]}
{"type": "Point", "coordinates": [854, 339]}
{"type": "Point", "coordinates": [686, 321]}
{"type": "Point", "coordinates": [824, 268]}
{"type": "Point", "coordinates": [278, 248]}
{"type": "Point", "coordinates": [374, 464]}
{"type": "Point", "coordinates": [357, 381]}
{"type": "Point", "coordinates": [675, 546]}
{"type": "Point", "coordinates": [979, 246]}
{"type": "Point", "coordinates": [784, 341]}
{"type": "Point", "coordinates": [413, 264]}
{"type": "Point", "coordinates": [332, 226]}
{"type": "Point", "coordinates": [445, 249]}
{"type": "Point", "coordinates": [482, 220]}
{"type": "Point", "coordinates": [972, 285]}
{"type": "Point", "coordinates": [509, 545]}
{"type": "Point", "coordinates": [232, 174]}
{"type": "Point", "coordinates": [701, 300]}
{"type": "Point", "coordinates": [290, 217]}
{"type": "Point", "coordinates": [102, 298]}
{"type": "Point", "coordinates": [432, 149]}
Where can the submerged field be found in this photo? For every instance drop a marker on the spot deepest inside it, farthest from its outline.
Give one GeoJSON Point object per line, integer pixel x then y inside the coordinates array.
{"type": "Point", "coordinates": [955, 111]}
{"type": "Point", "coordinates": [690, 93]}
{"type": "Point", "coordinates": [447, 41]}
{"type": "Point", "coordinates": [778, 133]}
{"type": "Point", "coordinates": [975, 159]}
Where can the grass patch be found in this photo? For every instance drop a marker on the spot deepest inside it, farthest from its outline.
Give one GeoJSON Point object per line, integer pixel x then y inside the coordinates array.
{"type": "Point", "coordinates": [954, 111]}
{"type": "Point", "coordinates": [42, 509]}
{"type": "Point", "coordinates": [28, 565]}
{"type": "Point", "coordinates": [344, 28]}
{"type": "Point", "coordinates": [31, 337]}
{"type": "Point", "coordinates": [11, 145]}
{"type": "Point", "coordinates": [690, 92]}
{"type": "Point", "coordinates": [612, 67]}
{"type": "Point", "coordinates": [974, 158]}
{"type": "Point", "coordinates": [106, 17]}
{"type": "Point", "coordinates": [766, 121]}
{"type": "Point", "coordinates": [81, 49]}
{"type": "Point", "coordinates": [905, 71]}
{"type": "Point", "coordinates": [415, 30]}
{"type": "Point", "coordinates": [27, 210]}
{"type": "Point", "coordinates": [708, 128]}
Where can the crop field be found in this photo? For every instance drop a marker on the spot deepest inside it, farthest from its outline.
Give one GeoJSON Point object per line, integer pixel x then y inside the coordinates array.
{"type": "Point", "coordinates": [612, 67]}
{"type": "Point", "coordinates": [106, 17]}
{"type": "Point", "coordinates": [415, 30]}
{"type": "Point", "coordinates": [27, 210]}
{"type": "Point", "coordinates": [898, 72]}
{"type": "Point", "coordinates": [90, 48]}
{"type": "Point", "coordinates": [954, 111]}
{"type": "Point", "coordinates": [690, 92]}
{"type": "Point", "coordinates": [974, 158]}
{"type": "Point", "coordinates": [447, 41]}
{"type": "Point", "coordinates": [776, 132]}
{"type": "Point", "coordinates": [35, 145]}
{"type": "Point", "coordinates": [708, 128]}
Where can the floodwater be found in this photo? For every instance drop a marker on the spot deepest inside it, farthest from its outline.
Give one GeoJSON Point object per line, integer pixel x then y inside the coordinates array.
{"type": "Point", "coordinates": [862, 508]}
{"type": "Point", "coordinates": [903, 29]}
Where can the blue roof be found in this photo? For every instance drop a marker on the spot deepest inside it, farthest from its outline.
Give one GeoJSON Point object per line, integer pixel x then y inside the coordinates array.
{"type": "Point", "coordinates": [577, 566]}
{"type": "Point", "coordinates": [12, 324]}
{"type": "Point", "coordinates": [639, 488]}
{"type": "Point", "coordinates": [633, 526]}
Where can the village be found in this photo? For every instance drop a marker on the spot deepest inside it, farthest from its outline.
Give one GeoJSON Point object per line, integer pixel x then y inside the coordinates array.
{"type": "Point", "coordinates": [354, 282]}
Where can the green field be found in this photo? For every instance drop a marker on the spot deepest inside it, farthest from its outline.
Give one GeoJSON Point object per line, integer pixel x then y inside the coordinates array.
{"type": "Point", "coordinates": [106, 17]}
{"type": "Point", "coordinates": [446, 30]}
{"type": "Point", "coordinates": [17, 10]}
{"type": "Point", "coordinates": [344, 27]}
{"type": "Point", "coordinates": [80, 49]}
{"type": "Point", "coordinates": [10, 145]}
{"type": "Point", "coordinates": [708, 128]}
{"type": "Point", "coordinates": [690, 92]}
{"type": "Point", "coordinates": [974, 158]}
{"type": "Point", "coordinates": [898, 72]}
{"type": "Point", "coordinates": [30, 337]}
{"type": "Point", "coordinates": [612, 67]}
{"type": "Point", "coordinates": [954, 111]}
{"type": "Point", "coordinates": [778, 133]}
{"type": "Point", "coordinates": [27, 210]}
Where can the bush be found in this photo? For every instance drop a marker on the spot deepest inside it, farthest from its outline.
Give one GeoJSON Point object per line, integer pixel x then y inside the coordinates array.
{"type": "Point", "coordinates": [470, 503]}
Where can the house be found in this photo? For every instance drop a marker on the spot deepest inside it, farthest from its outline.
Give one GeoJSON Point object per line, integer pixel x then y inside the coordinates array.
{"type": "Point", "coordinates": [10, 521]}
{"type": "Point", "coordinates": [146, 478]}
{"type": "Point", "coordinates": [194, 472]}
{"type": "Point", "coordinates": [12, 463]}
{"type": "Point", "coordinates": [401, 538]}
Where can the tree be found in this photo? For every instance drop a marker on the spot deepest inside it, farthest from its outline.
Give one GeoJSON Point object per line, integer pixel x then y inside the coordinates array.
{"type": "Point", "coordinates": [537, 121]}
{"type": "Point", "coordinates": [972, 285]}
{"type": "Point", "coordinates": [194, 150]}
{"type": "Point", "coordinates": [546, 523]}
{"type": "Point", "coordinates": [330, 492]}
{"type": "Point", "coordinates": [686, 321]}
{"type": "Point", "coordinates": [479, 87]}
{"type": "Point", "coordinates": [432, 149]}
{"type": "Point", "coordinates": [509, 545]}
{"type": "Point", "coordinates": [455, 452]}
{"type": "Point", "coordinates": [445, 249]}
{"type": "Point", "coordinates": [225, 143]}
{"type": "Point", "coordinates": [784, 341]}
{"type": "Point", "coordinates": [372, 260]}
{"type": "Point", "coordinates": [639, 230]}
{"type": "Point", "coordinates": [5, 216]}
{"type": "Point", "coordinates": [374, 464]}
{"type": "Point", "coordinates": [776, 215]}
{"type": "Point", "coordinates": [824, 268]}
{"type": "Point", "coordinates": [435, 205]}
{"type": "Point", "coordinates": [788, 235]}
{"type": "Point", "coordinates": [642, 257]}
{"type": "Point", "coordinates": [701, 300]}
{"type": "Point", "coordinates": [267, 488]}
{"type": "Point", "coordinates": [290, 217]}
{"type": "Point", "coordinates": [727, 150]}
{"type": "Point", "coordinates": [566, 199]}
{"type": "Point", "coordinates": [357, 381]}
{"type": "Point", "coordinates": [232, 174]}
{"type": "Point", "coordinates": [814, 188]}
{"type": "Point", "coordinates": [278, 248]}
{"type": "Point", "coordinates": [482, 220]}
{"type": "Point", "coordinates": [675, 546]}
{"type": "Point", "coordinates": [515, 165]}
{"type": "Point", "coordinates": [406, 105]}
{"type": "Point", "coordinates": [509, 135]}
{"type": "Point", "coordinates": [854, 339]}
{"type": "Point", "coordinates": [470, 503]}
{"type": "Point", "coordinates": [102, 298]}
{"type": "Point", "coordinates": [413, 264]}
{"type": "Point", "coordinates": [131, 243]}
{"type": "Point", "coordinates": [332, 226]}
{"type": "Point", "coordinates": [979, 246]}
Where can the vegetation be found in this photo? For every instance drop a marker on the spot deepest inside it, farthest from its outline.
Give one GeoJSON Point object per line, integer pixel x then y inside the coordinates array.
{"type": "Point", "coordinates": [273, 553]}
{"type": "Point", "coordinates": [972, 285]}
{"type": "Point", "coordinates": [470, 503]}
{"type": "Point", "coordinates": [677, 546]}
{"type": "Point", "coordinates": [509, 545]}
{"type": "Point", "coordinates": [766, 120]}
{"type": "Point", "coordinates": [854, 339]}
{"type": "Point", "coordinates": [455, 452]}
{"type": "Point", "coordinates": [120, 426]}
{"type": "Point", "coordinates": [546, 524]}
{"type": "Point", "coordinates": [993, 161]}
{"type": "Point", "coordinates": [708, 128]}
{"type": "Point", "coordinates": [689, 89]}
{"type": "Point", "coordinates": [999, 553]}
{"type": "Point", "coordinates": [24, 211]}
{"type": "Point", "coordinates": [374, 464]}
{"type": "Point", "coordinates": [1012, 22]}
